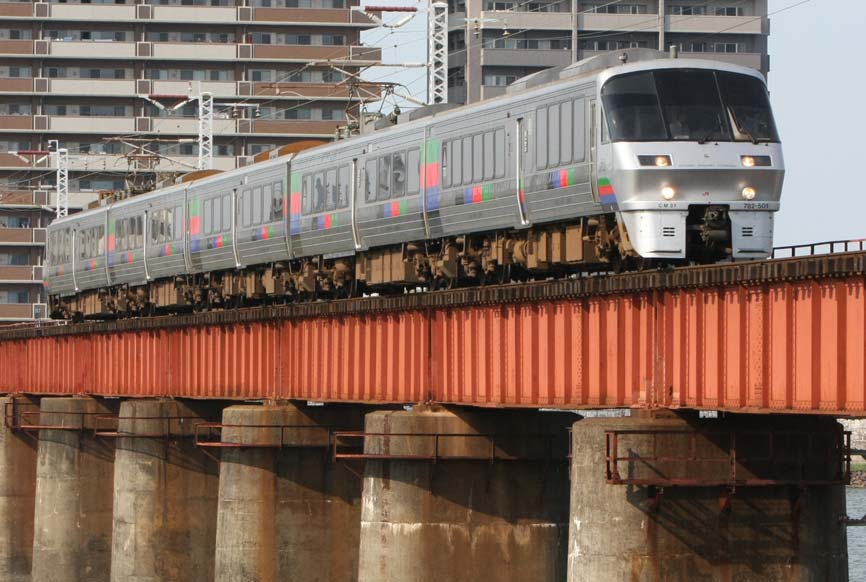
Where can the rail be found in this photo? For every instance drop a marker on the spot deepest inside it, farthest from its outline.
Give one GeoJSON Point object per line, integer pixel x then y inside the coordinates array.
{"type": "Point", "coordinates": [840, 448]}
{"type": "Point", "coordinates": [749, 273]}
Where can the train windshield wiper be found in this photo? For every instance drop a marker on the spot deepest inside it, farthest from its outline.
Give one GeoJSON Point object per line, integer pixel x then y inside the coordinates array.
{"type": "Point", "coordinates": [717, 126]}
{"type": "Point", "coordinates": [740, 129]}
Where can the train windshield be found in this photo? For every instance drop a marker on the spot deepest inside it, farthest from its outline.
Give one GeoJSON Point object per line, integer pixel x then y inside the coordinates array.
{"type": "Point", "coordinates": [687, 105]}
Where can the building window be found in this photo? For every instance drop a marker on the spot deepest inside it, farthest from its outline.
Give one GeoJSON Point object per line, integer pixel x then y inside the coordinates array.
{"type": "Point", "coordinates": [14, 297]}
{"type": "Point", "coordinates": [729, 11]}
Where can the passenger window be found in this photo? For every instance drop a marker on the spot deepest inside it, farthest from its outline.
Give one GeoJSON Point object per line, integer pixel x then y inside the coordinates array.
{"type": "Point", "coordinates": [477, 158]}
{"type": "Point", "coordinates": [120, 227]}
{"type": "Point", "coordinates": [457, 162]}
{"type": "Point", "coordinates": [139, 232]}
{"type": "Point", "coordinates": [488, 155]}
{"type": "Point", "coordinates": [344, 183]}
{"type": "Point", "coordinates": [305, 195]}
{"type": "Point", "coordinates": [467, 160]}
{"type": "Point", "coordinates": [398, 174]}
{"type": "Point", "coordinates": [413, 183]}
{"type": "Point", "coordinates": [319, 192]}
{"type": "Point", "coordinates": [100, 247]}
{"type": "Point", "coordinates": [446, 165]}
{"type": "Point", "coordinates": [257, 206]}
{"type": "Point", "coordinates": [499, 153]}
{"type": "Point", "coordinates": [565, 129]}
{"type": "Point", "coordinates": [217, 215]}
{"type": "Point", "coordinates": [247, 210]}
{"type": "Point", "coordinates": [553, 135]}
{"type": "Point", "coordinates": [227, 212]}
{"type": "Point", "coordinates": [154, 228]}
{"type": "Point", "coordinates": [370, 177]}
{"type": "Point", "coordinates": [276, 202]}
{"type": "Point", "coordinates": [208, 208]}
{"type": "Point", "coordinates": [541, 138]}
{"type": "Point", "coordinates": [384, 178]}
{"type": "Point", "coordinates": [579, 130]}
{"type": "Point", "coordinates": [178, 224]}
{"type": "Point", "coordinates": [332, 193]}
{"type": "Point", "coordinates": [267, 194]}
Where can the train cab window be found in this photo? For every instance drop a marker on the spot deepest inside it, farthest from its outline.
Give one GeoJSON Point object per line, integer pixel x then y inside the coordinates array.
{"type": "Point", "coordinates": [208, 221]}
{"type": "Point", "coordinates": [398, 175]}
{"type": "Point", "coordinates": [384, 178]}
{"type": "Point", "coordinates": [579, 126]}
{"type": "Point", "coordinates": [499, 153]}
{"type": "Point", "coordinates": [319, 192]}
{"type": "Point", "coordinates": [565, 129]}
{"type": "Point", "coordinates": [344, 184]}
{"type": "Point", "coordinates": [227, 212]}
{"type": "Point", "coordinates": [456, 162]}
{"type": "Point", "coordinates": [541, 138]}
{"type": "Point", "coordinates": [413, 181]}
{"type": "Point", "coordinates": [446, 164]}
{"type": "Point", "coordinates": [632, 108]}
{"type": "Point", "coordinates": [370, 176]}
{"type": "Point", "coordinates": [477, 158]}
{"type": "Point", "coordinates": [488, 155]}
{"type": "Point", "coordinates": [257, 206]}
{"type": "Point", "coordinates": [467, 160]}
{"type": "Point", "coordinates": [332, 193]}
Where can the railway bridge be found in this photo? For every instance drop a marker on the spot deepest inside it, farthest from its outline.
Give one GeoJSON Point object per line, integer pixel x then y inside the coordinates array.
{"type": "Point", "coordinates": [453, 435]}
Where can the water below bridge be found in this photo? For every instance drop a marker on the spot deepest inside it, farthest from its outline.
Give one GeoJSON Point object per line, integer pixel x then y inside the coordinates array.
{"type": "Point", "coordinates": [856, 498]}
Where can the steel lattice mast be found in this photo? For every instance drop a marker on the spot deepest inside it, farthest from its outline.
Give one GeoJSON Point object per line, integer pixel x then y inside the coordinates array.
{"type": "Point", "coordinates": [205, 131]}
{"type": "Point", "coordinates": [437, 53]}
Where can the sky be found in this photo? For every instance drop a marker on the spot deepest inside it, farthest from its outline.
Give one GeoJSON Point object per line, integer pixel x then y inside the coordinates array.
{"type": "Point", "coordinates": [817, 84]}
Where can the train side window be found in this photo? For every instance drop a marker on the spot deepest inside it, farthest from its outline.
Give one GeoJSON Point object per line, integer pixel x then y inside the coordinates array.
{"type": "Point", "coordinates": [457, 162]}
{"type": "Point", "coordinates": [477, 158]}
{"type": "Point", "coordinates": [605, 136]}
{"type": "Point", "coordinates": [217, 225]}
{"type": "Point", "coordinates": [553, 136]}
{"type": "Point", "coordinates": [579, 127]}
{"type": "Point", "coordinates": [370, 177]}
{"type": "Point", "coordinates": [267, 204]}
{"type": "Point", "coordinates": [120, 234]}
{"type": "Point", "coordinates": [208, 223]}
{"type": "Point", "coordinates": [305, 194]}
{"type": "Point", "coordinates": [488, 155]}
{"type": "Point", "coordinates": [541, 138]}
{"type": "Point", "coordinates": [499, 153]}
{"type": "Point", "coordinates": [277, 202]}
{"type": "Point", "coordinates": [246, 208]}
{"type": "Point", "coordinates": [398, 175]}
{"type": "Point", "coordinates": [384, 178]}
{"type": "Point", "coordinates": [178, 224]}
{"type": "Point", "coordinates": [565, 129]}
{"type": "Point", "coordinates": [343, 184]}
{"type": "Point", "coordinates": [413, 183]}
{"type": "Point", "coordinates": [257, 206]}
{"type": "Point", "coordinates": [154, 227]}
{"type": "Point", "coordinates": [100, 241]}
{"type": "Point", "coordinates": [331, 190]}
{"type": "Point", "coordinates": [139, 232]}
{"type": "Point", "coordinates": [446, 164]}
{"type": "Point", "coordinates": [227, 212]}
{"type": "Point", "coordinates": [318, 192]}
{"type": "Point", "coordinates": [467, 160]}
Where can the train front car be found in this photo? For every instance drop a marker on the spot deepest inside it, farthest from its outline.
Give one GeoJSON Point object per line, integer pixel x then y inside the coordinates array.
{"type": "Point", "coordinates": [690, 157]}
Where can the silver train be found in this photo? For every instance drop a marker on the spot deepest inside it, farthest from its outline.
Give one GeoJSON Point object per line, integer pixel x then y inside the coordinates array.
{"type": "Point", "coordinates": [614, 160]}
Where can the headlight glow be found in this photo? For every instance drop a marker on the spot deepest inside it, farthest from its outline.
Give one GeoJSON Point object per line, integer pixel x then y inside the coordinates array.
{"type": "Point", "coordinates": [668, 193]}
{"type": "Point", "coordinates": [749, 193]}
{"type": "Point", "coordinates": [748, 161]}
{"type": "Point", "coordinates": [756, 161]}
{"type": "Point", "coordinates": [657, 161]}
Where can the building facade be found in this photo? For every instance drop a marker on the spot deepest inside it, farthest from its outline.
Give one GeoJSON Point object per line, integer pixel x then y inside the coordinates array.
{"type": "Point", "coordinates": [492, 43]}
{"type": "Point", "coordinates": [80, 71]}
{"type": "Point", "coordinates": [23, 218]}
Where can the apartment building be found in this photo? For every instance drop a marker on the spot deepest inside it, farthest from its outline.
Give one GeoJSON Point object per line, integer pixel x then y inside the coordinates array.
{"type": "Point", "coordinates": [80, 71]}
{"type": "Point", "coordinates": [491, 43]}
{"type": "Point", "coordinates": [23, 218]}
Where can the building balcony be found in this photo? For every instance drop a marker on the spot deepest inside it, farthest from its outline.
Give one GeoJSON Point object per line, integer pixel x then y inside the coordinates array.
{"type": "Point", "coordinates": [515, 20]}
{"type": "Point", "coordinates": [525, 57]}
{"type": "Point", "coordinates": [21, 274]}
{"type": "Point", "coordinates": [296, 128]}
{"type": "Point", "coordinates": [10, 312]}
{"type": "Point", "coordinates": [16, 122]}
{"type": "Point", "coordinates": [16, 85]}
{"type": "Point", "coordinates": [311, 16]}
{"type": "Point", "coordinates": [715, 24]}
{"type": "Point", "coordinates": [85, 49]}
{"type": "Point", "coordinates": [16, 10]}
{"type": "Point", "coordinates": [16, 47]}
{"type": "Point", "coordinates": [752, 60]}
{"type": "Point", "coordinates": [91, 124]}
{"type": "Point", "coordinates": [303, 53]}
{"type": "Point", "coordinates": [619, 22]}
{"type": "Point", "coordinates": [89, 12]}
{"type": "Point", "coordinates": [491, 91]}
{"type": "Point", "coordinates": [29, 198]}
{"type": "Point", "coordinates": [22, 236]}
{"type": "Point", "coordinates": [307, 90]}
{"type": "Point", "coordinates": [218, 89]}
{"type": "Point", "coordinates": [88, 87]}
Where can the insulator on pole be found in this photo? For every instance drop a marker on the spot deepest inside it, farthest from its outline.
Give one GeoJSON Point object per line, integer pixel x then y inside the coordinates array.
{"type": "Point", "coordinates": [205, 131]}
{"type": "Point", "coordinates": [437, 53]}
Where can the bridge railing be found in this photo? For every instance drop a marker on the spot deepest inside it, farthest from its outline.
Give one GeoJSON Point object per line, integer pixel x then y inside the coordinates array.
{"type": "Point", "coordinates": [819, 248]}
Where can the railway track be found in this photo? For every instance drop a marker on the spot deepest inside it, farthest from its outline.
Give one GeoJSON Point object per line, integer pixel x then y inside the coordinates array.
{"type": "Point", "coordinates": [804, 262]}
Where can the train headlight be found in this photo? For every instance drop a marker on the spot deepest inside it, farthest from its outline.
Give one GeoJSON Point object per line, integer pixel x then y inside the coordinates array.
{"type": "Point", "coordinates": [668, 193]}
{"type": "Point", "coordinates": [755, 161]}
{"type": "Point", "coordinates": [658, 161]}
{"type": "Point", "coordinates": [749, 193]}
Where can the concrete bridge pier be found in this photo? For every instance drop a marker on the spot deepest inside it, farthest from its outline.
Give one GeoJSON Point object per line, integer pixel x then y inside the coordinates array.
{"type": "Point", "coordinates": [165, 493]}
{"type": "Point", "coordinates": [670, 519]}
{"type": "Point", "coordinates": [17, 494]}
{"type": "Point", "coordinates": [447, 508]}
{"type": "Point", "coordinates": [74, 476]}
{"type": "Point", "coordinates": [286, 511]}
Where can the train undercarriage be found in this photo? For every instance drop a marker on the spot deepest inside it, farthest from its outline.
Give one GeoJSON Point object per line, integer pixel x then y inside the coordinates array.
{"type": "Point", "coordinates": [554, 250]}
